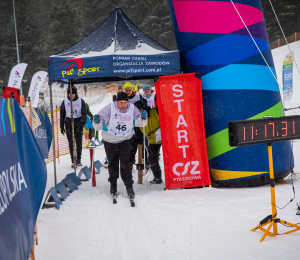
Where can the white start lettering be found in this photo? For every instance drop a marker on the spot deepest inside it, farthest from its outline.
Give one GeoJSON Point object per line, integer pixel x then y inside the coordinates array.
{"type": "Point", "coordinates": [12, 181]}
{"type": "Point", "coordinates": [190, 168]}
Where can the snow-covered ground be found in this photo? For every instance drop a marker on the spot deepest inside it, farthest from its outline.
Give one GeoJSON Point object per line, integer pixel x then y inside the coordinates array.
{"type": "Point", "coordinates": [205, 223]}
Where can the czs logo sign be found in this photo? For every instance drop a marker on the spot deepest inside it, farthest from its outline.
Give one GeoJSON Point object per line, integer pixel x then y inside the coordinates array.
{"type": "Point", "coordinates": [180, 169]}
{"type": "Point", "coordinates": [288, 76]}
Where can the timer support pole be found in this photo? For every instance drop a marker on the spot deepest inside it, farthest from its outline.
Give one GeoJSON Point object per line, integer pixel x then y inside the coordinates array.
{"type": "Point", "coordinates": [271, 219]}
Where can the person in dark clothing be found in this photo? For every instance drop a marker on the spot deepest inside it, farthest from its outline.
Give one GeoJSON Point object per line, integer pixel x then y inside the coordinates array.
{"type": "Point", "coordinates": [137, 138]}
{"type": "Point", "coordinates": [79, 116]}
{"type": "Point", "coordinates": [120, 89]}
{"type": "Point", "coordinates": [89, 113]}
{"type": "Point", "coordinates": [153, 134]}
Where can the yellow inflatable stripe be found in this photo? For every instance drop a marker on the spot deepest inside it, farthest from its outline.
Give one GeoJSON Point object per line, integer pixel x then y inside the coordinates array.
{"type": "Point", "coordinates": [221, 175]}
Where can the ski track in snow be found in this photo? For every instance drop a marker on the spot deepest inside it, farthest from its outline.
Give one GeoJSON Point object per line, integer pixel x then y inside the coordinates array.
{"type": "Point", "coordinates": [194, 224]}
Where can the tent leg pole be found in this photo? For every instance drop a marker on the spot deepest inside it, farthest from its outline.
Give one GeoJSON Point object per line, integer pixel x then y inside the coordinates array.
{"type": "Point", "coordinates": [53, 135]}
{"type": "Point", "coordinates": [72, 125]}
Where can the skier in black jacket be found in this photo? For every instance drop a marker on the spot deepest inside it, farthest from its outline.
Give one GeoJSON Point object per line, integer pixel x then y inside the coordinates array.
{"type": "Point", "coordinates": [80, 116]}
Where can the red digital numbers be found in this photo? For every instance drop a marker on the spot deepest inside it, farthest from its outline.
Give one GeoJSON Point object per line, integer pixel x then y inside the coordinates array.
{"type": "Point", "coordinates": [273, 128]}
{"type": "Point", "coordinates": [284, 128]}
{"type": "Point", "coordinates": [264, 130]}
{"type": "Point", "coordinates": [293, 127]}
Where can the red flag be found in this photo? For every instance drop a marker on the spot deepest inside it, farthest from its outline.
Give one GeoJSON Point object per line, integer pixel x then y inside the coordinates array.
{"type": "Point", "coordinates": [180, 111]}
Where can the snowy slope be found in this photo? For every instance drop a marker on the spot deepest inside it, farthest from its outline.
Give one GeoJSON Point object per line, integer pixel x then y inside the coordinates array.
{"type": "Point", "coordinates": [205, 223]}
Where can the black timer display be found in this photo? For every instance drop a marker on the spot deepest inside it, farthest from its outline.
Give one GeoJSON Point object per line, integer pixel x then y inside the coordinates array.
{"type": "Point", "coordinates": [265, 130]}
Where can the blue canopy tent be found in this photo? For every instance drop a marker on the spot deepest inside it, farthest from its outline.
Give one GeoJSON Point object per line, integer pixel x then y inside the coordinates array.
{"type": "Point", "coordinates": [117, 48]}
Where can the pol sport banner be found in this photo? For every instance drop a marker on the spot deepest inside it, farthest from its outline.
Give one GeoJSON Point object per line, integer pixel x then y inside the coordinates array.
{"type": "Point", "coordinates": [23, 179]}
{"type": "Point", "coordinates": [16, 75]}
{"type": "Point", "coordinates": [35, 85]}
{"type": "Point", "coordinates": [113, 65]}
{"type": "Point", "coordinates": [180, 110]}
{"type": "Point", "coordinates": [287, 77]}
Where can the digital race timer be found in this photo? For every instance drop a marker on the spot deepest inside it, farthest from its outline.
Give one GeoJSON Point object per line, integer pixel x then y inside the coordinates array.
{"type": "Point", "coordinates": [265, 130]}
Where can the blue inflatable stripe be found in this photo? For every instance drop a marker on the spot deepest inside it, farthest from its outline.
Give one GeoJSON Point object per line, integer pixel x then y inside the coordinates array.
{"type": "Point", "coordinates": [241, 76]}
{"type": "Point", "coordinates": [255, 60]}
{"type": "Point", "coordinates": [257, 30]}
{"type": "Point", "coordinates": [190, 41]}
{"type": "Point", "coordinates": [258, 59]}
{"type": "Point", "coordinates": [222, 106]}
{"type": "Point", "coordinates": [227, 49]}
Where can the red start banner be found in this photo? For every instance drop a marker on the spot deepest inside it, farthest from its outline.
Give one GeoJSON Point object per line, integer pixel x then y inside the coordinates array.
{"type": "Point", "coordinates": [180, 107]}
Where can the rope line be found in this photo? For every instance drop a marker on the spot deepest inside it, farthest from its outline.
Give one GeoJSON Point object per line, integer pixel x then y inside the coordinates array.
{"type": "Point", "coordinates": [284, 36]}
{"type": "Point", "coordinates": [260, 51]}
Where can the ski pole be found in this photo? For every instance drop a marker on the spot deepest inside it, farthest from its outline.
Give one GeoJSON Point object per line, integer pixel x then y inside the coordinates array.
{"type": "Point", "coordinates": [93, 162]}
{"type": "Point", "coordinates": [144, 136]}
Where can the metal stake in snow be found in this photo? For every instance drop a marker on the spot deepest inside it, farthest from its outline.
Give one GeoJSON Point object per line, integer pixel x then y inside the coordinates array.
{"type": "Point", "coordinates": [72, 125]}
{"type": "Point", "coordinates": [144, 172]}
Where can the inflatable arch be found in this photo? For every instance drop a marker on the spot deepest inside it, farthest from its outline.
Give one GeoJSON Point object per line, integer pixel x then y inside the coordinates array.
{"type": "Point", "coordinates": [213, 39]}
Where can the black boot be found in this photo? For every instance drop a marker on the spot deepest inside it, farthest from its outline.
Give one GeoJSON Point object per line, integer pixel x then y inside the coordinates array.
{"type": "Point", "coordinates": [79, 162]}
{"type": "Point", "coordinates": [130, 191]}
{"type": "Point", "coordinates": [113, 187]}
{"type": "Point", "coordinates": [72, 164]}
{"type": "Point", "coordinates": [156, 181]}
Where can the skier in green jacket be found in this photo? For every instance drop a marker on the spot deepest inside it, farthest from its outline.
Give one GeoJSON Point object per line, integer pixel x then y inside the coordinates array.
{"type": "Point", "coordinates": [153, 134]}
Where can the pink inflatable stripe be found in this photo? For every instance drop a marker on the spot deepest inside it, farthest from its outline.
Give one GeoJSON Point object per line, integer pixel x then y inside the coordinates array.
{"type": "Point", "coordinates": [214, 16]}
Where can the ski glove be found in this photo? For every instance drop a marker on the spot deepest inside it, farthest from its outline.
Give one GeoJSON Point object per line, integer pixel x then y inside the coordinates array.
{"type": "Point", "coordinates": [88, 124]}
{"type": "Point", "coordinates": [62, 130]}
{"type": "Point", "coordinates": [96, 119]}
{"type": "Point", "coordinates": [144, 114]}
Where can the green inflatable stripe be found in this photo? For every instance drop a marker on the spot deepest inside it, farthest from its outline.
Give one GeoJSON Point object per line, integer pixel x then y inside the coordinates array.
{"type": "Point", "coordinates": [218, 143]}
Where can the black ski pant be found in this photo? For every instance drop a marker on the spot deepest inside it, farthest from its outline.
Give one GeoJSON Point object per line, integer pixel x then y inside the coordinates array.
{"type": "Point", "coordinates": [154, 150]}
{"type": "Point", "coordinates": [78, 131]}
{"type": "Point", "coordinates": [115, 153]}
{"type": "Point", "coordinates": [136, 139]}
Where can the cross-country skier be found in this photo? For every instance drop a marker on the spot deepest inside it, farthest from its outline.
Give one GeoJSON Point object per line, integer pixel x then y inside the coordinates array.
{"type": "Point", "coordinates": [149, 95]}
{"type": "Point", "coordinates": [137, 138]}
{"type": "Point", "coordinates": [79, 115]}
{"type": "Point", "coordinates": [153, 134]}
{"type": "Point", "coordinates": [132, 96]}
{"type": "Point", "coordinates": [117, 121]}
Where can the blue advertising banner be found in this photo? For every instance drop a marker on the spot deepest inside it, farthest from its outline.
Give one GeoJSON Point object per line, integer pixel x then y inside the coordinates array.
{"type": "Point", "coordinates": [23, 177]}
{"type": "Point", "coordinates": [43, 132]}
{"type": "Point", "coordinates": [113, 66]}
{"type": "Point", "coordinates": [287, 77]}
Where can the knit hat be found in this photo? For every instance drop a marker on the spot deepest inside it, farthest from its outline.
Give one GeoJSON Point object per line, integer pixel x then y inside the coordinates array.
{"type": "Point", "coordinates": [74, 90]}
{"type": "Point", "coordinates": [147, 87]}
{"type": "Point", "coordinates": [128, 85]}
{"type": "Point", "coordinates": [120, 87]}
{"type": "Point", "coordinates": [122, 96]}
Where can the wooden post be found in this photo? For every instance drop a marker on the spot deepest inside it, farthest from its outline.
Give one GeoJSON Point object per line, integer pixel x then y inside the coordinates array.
{"type": "Point", "coordinates": [140, 161]}
{"type": "Point", "coordinates": [53, 135]}
{"type": "Point", "coordinates": [30, 114]}
{"type": "Point", "coordinates": [56, 119]}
